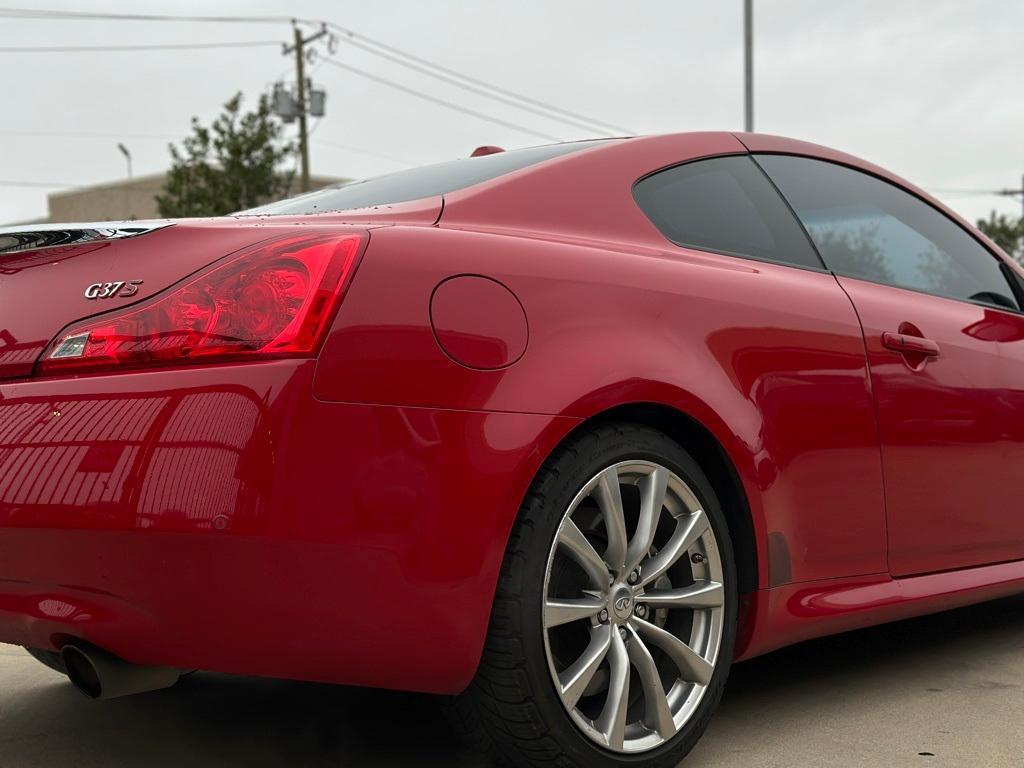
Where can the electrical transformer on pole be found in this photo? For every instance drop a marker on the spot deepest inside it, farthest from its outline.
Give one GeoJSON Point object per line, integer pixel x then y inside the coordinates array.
{"type": "Point", "coordinates": [305, 101]}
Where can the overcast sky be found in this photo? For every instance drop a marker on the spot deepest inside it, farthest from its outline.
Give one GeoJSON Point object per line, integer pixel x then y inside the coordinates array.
{"type": "Point", "coordinates": [928, 88]}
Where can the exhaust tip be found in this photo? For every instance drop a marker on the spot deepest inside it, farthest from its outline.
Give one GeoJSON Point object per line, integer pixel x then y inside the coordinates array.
{"type": "Point", "coordinates": [81, 671]}
{"type": "Point", "coordinates": [101, 675]}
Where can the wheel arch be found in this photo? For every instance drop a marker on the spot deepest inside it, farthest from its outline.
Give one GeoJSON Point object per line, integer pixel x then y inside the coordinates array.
{"type": "Point", "coordinates": [705, 448]}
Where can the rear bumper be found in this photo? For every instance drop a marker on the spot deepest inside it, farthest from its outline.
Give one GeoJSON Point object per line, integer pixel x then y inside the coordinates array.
{"type": "Point", "coordinates": [225, 519]}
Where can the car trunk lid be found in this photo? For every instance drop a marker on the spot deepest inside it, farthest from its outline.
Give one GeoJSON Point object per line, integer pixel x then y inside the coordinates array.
{"type": "Point", "coordinates": [49, 274]}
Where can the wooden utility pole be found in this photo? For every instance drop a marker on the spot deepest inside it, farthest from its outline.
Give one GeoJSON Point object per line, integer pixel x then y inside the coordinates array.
{"type": "Point", "coordinates": [300, 80]}
{"type": "Point", "coordinates": [299, 48]}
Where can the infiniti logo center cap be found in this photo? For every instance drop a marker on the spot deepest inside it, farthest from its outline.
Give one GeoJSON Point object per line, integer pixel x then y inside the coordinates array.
{"type": "Point", "coordinates": [622, 603]}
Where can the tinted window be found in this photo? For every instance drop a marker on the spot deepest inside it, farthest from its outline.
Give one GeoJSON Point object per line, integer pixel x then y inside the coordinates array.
{"type": "Point", "coordinates": [417, 183]}
{"type": "Point", "coordinates": [868, 228]}
{"type": "Point", "coordinates": [727, 205]}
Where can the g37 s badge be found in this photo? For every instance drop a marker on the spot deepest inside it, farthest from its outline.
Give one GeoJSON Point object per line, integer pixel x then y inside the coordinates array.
{"type": "Point", "coordinates": [122, 288]}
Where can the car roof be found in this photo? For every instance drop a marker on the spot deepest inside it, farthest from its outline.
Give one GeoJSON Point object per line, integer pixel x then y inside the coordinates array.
{"type": "Point", "coordinates": [588, 194]}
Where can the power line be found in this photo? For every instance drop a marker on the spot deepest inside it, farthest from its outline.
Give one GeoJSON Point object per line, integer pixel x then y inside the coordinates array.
{"type": "Point", "coordinates": [489, 92]}
{"type": "Point", "coordinates": [30, 13]}
{"type": "Point", "coordinates": [354, 38]}
{"type": "Point", "coordinates": [358, 151]}
{"type": "Point", "coordinates": [1011, 192]}
{"type": "Point", "coordinates": [154, 47]}
{"type": "Point", "coordinates": [977, 192]}
{"type": "Point", "coordinates": [86, 135]}
{"type": "Point", "coordinates": [453, 73]}
{"type": "Point", "coordinates": [442, 102]}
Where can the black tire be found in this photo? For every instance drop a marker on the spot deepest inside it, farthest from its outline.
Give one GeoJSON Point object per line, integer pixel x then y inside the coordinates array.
{"type": "Point", "coordinates": [512, 708]}
{"type": "Point", "coordinates": [49, 659]}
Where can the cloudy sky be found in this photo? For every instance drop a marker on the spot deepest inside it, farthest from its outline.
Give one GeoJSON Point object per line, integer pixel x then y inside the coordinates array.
{"type": "Point", "coordinates": [928, 88]}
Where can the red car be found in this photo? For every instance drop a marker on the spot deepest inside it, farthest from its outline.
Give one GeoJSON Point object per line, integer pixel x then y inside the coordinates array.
{"type": "Point", "coordinates": [564, 431]}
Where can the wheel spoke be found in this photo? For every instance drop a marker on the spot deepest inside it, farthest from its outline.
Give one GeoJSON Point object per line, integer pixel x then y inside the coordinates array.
{"type": "Point", "coordinates": [612, 720]}
{"type": "Point", "coordinates": [688, 530]}
{"type": "Point", "coordinates": [562, 610]}
{"type": "Point", "coordinates": [630, 680]}
{"type": "Point", "coordinates": [572, 540]}
{"type": "Point", "coordinates": [575, 678]}
{"type": "Point", "coordinates": [692, 665]}
{"type": "Point", "coordinates": [652, 499]}
{"type": "Point", "coordinates": [700, 594]}
{"type": "Point", "coordinates": [657, 714]}
{"type": "Point", "coordinates": [609, 499]}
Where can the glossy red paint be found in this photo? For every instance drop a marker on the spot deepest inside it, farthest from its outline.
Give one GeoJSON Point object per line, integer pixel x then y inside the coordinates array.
{"type": "Point", "coordinates": [782, 384]}
{"type": "Point", "coordinates": [796, 612]}
{"type": "Point", "coordinates": [223, 518]}
{"type": "Point", "coordinates": [478, 322]}
{"type": "Point", "coordinates": [957, 412]}
{"type": "Point", "coordinates": [295, 518]}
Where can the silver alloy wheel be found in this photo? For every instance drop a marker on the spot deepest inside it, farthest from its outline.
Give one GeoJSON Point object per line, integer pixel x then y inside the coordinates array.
{"type": "Point", "coordinates": [625, 612]}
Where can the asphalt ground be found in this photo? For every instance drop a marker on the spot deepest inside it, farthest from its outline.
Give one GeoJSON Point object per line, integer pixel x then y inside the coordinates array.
{"type": "Point", "coordinates": [944, 690]}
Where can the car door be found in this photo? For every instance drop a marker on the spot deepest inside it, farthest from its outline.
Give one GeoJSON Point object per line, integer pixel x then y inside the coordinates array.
{"type": "Point", "coordinates": [785, 335]}
{"type": "Point", "coordinates": [945, 342]}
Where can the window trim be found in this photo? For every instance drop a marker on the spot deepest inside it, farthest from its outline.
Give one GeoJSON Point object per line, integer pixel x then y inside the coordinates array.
{"type": "Point", "coordinates": [823, 269]}
{"type": "Point", "coordinates": [999, 259]}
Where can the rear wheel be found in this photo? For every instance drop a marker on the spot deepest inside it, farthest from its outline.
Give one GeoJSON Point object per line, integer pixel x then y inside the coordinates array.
{"type": "Point", "coordinates": [614, 619]}
{"type": "Point", "coordinates": [50, 659]}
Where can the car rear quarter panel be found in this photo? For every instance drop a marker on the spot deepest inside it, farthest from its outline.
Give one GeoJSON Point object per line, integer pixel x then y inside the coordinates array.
{"type": "Point", "coordinates": [769, 358]}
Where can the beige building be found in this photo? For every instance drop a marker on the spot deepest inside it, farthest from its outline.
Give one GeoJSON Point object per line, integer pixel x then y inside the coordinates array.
{"type": "Point", "coordinates": [123, 200]}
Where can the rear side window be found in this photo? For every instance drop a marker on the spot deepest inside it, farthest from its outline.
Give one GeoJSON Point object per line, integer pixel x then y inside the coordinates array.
{"type": "Point", "coordinates": [726, 205]}
{"type": "Point", "coordinates": [417, 183]}
{"type": "Point", "coordinates": [867, 228]}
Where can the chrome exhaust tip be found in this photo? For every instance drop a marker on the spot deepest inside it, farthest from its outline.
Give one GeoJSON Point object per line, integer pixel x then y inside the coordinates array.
{"type": "Point", "coordinates": [101, 675]}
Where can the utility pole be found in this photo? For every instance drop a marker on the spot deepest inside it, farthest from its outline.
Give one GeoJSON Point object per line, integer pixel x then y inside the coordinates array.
{"type": "Point", "coordinates": [748, 65]}
{"type": "Point", "coordinates": [300, 80]}
{"type": "Point", "coordinates": [300, 84]}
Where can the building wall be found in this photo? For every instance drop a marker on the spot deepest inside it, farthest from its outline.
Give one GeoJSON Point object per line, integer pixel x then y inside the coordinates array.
{"type": "Point", "coordinates": [135, 199]}
{"type": "Point", "coordinates": [109, 202]}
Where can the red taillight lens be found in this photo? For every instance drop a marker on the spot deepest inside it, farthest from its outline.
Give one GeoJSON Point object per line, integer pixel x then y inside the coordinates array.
{"type": "Point", "coordinates": [274, 300]}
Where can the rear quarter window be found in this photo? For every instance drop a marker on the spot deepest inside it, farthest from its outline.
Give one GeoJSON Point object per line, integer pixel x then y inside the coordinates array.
{"type": "Point", "coordinates": [725, 205]}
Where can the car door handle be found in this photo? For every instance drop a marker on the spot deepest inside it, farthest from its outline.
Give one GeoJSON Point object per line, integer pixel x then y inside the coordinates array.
{"type": "Point", "coordinates": [904, 343]}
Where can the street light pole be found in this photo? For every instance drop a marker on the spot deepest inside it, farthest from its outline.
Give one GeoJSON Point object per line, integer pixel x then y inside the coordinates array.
{"type": "Point", "coordinates": [127, 157]}
{"type": "Point", "coordinates": [748, 65]}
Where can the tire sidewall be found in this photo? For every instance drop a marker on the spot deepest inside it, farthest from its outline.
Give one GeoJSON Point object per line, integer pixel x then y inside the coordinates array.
{"type": "Point", "coordinates": [572, 469]}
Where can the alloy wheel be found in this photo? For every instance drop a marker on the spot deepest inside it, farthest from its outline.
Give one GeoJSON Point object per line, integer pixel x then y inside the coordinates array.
{"type": "Point", "coordinates": [634, 606]}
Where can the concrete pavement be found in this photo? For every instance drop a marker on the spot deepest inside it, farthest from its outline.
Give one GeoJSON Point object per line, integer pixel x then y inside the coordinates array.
{"type": "Point", "coordinates": [945, 690]}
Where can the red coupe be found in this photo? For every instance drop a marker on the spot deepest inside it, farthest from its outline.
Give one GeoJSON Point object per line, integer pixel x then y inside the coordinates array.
{"type": "Point", "coordinates": [561, 432]}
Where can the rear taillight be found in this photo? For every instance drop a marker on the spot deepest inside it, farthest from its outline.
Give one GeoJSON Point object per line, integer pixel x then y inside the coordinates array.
{"type": "Point", "coordinates": [276, 299]}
